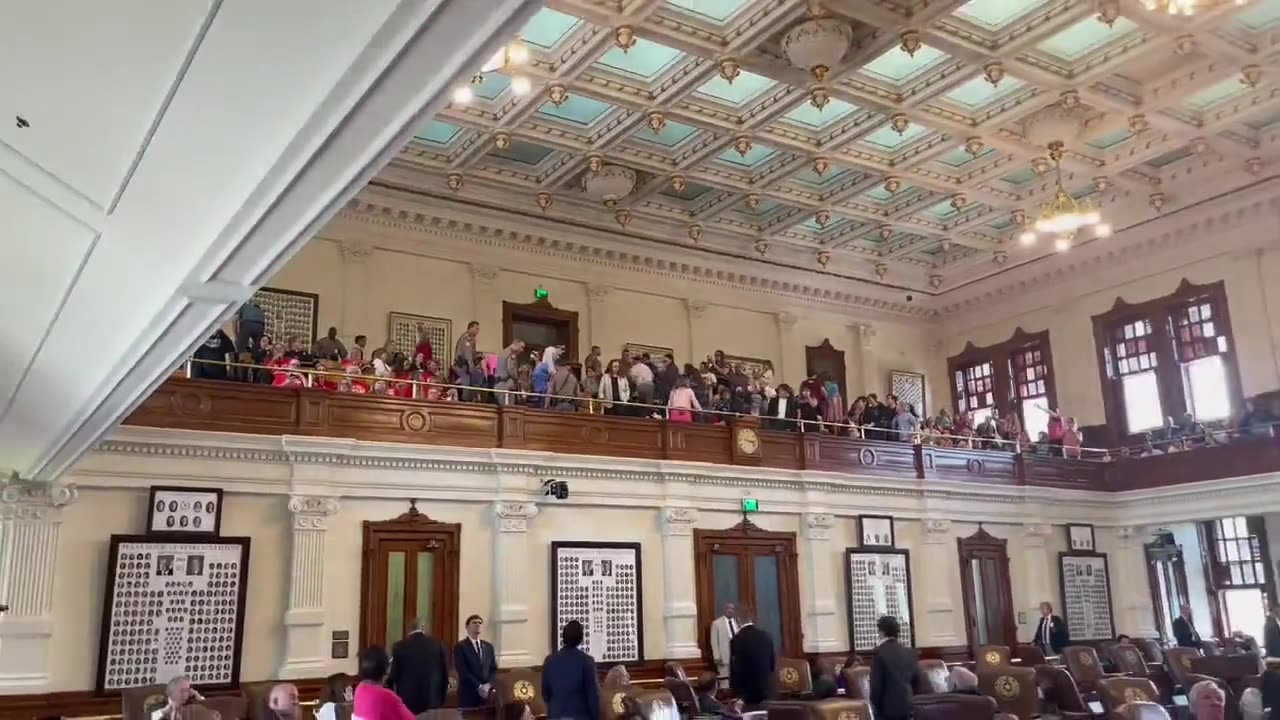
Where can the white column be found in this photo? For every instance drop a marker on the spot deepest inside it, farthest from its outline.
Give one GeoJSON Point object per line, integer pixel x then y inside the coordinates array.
{"type": "Point", "coordinates": [820, 603]}
{"type": "Point", "coordinates": [943, 618]}
{"type": "Point", "coordinates": [486, 309]}
{"type": "Point", "coordinates": [511, 560]}
{"type": "Point", "coordinates": [597, 297]}
{"type": "Point", "coordinates": [867, 369]}
{"type": "Point", "coordinates": [30, 520]}
{"type": "Point", "coordinates": [787, 370]}
{"type": "Point", "coordinates": [355, 290]}
{"type": "Point", "coordinates": [679, 610]}
{"type": "Point", "coordinates": [305, 648]}
{"type": "Point", "coordinates": [696, 309]}
{"type": "Point", "coordinates": [1040, 577]}
{"type": "Point", "coordinates": [1130, 589]}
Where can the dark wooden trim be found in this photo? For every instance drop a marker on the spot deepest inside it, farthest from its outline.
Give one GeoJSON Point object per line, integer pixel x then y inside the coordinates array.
{"type": "Point", "coordinates": [1000, 356]}
{"type": "Point", "coordinates": [1165, 550]}
{"type": "Point", "coordinates": [1168, 373]}
{"type": "Point", "coordinates": [540, 311]}
{"type": "Point", "coordinates": [978, 545]}
{"type": "Point", "coordinates": [108, 595]}
{"type": "Point", "coordinates": [815, 354]}
{"type": "Point", "coordinates": [848, 591]}
{"type": "Point", "coordinates": [411, 526]}
{"type": "Point", "coordinates": [1062, 588]}
{"type": "Point", "coordinates": [747, 535]}
{"type": "Point", "coordinates": [556, 545]}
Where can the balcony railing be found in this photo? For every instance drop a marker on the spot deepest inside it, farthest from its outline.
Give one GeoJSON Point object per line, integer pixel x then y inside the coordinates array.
{"type": "Point", "coordinates": [261, 410]}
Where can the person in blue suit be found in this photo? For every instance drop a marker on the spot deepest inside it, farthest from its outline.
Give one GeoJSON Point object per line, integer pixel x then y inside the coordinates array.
{"type": "Point", "coordinates": [569, 685]}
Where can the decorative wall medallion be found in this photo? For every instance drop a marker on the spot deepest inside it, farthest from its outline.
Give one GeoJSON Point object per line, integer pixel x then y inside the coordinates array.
{"type": "Point", "coordinates": [993, 72]}
{"type": "Point", "coordinates": [935, 281]}
{"type": "Point", "coordinates": [1250, 76]}
{"type": "Point", "coordinates": [974, 146]}
{"type": "Point", "coordinates": [884, 233]}
{"type": "Point", "coordinates": [1253, 165]}
{"type": "Point", "coordinates": [743, 145]}
{"type": "Point", "coordinates": [454, 181]}
{"type": "Point", "coordinates": [892, 185]}
{"type": "Point", "coordinates": [1007, 687]}
{"type": "Point", "coordinates": [695, 232]}
{"type": "Point", "coordinates": [899, 122]}
{"type": "Point", "coordinates": [762, 247]}
{"type": "Point", "coordinates": [1156, 201]}
{"type": "Point", "coordinates": [881, 270]}
{"type": "Point", "coordinates": [822, 217]}
{"type": "Point", "coordinates": [752, 201]}
{"type": "Point", "coordinates": [1000, 257]}
{"type": "Point", "coordinates": [625, 38]}
{"type": "Point", "coordinates": [959, 200]}
{"type": "Point", "coordinates": [824, 257]}
{"type": "Point", "coordinates": [502, 140]}
{"type": "Point", "coordinates": [1139, 124]}
{"type": "Point", "coordinates": [544, 200]}
{"type": "Point", "coordinates": [622, 216]}
{"type": "Point", "coordinates": [1108, 12]}
{"type": "Point", "coordinates": [557, 94]}
{"type": "Point", "coordinates": [1070, 99]}
{"type": "Point", "coordinates": [656, 121]}
{"type": "Point", "coordinates": [594, 163]}
{"type": "Point", "coordinates": [820, 165]}
{"type": "Point", "coordinates": [1199, 145]}
{"type": "Point", "coordinates": [415, 421]}
{"type": "Point", "coordinates": [1101, 183]}
{"type": "Point", "coordinates": [1019, 217]}
{"type": "Point", "coordinates": [910, 42]}
{"type": "Point", "coordinates": [729, 69]}
{"type": "Point", "coordinates": [678, 183]}
{"type": "Point", "coordinates": [1041, 165]}
{"type": "Point", "coordinates": [819, 97]}
{"type": "Point", "coordinates": [1184, 44]}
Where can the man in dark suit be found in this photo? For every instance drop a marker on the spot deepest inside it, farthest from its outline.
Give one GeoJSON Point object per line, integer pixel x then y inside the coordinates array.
{"type": "Point", "coordinates": [569, 684]}
{"type": "Point", "coordinates": [1184, 632]}
{"type": "Point", "coordinates": [1271, 634]}
{"type": "Point", "coordinates": [476, 665]}
{"type": "Point", "coordinates": [1051, 632]}
{"type": "Point", "coordinates": [419, 670]}
{"type": "Point", "coordinates": [893, 673]}
{"type": "Point", "coordinates": [752, 662]}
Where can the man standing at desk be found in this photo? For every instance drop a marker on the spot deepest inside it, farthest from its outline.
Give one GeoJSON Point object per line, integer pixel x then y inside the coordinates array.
{"type": "Point", "coordinates": [1051, 633]}
{"type": "Point", "coordinates": [476, 665]}
{"type": "Point", "coordinates": [1184, 631]}
{"type": "Point", "coordinates": [752, 663]}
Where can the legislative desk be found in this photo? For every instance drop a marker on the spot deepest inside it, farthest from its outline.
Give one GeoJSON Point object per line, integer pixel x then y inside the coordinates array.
{"type": "Point", "coordinates": [261, 410]}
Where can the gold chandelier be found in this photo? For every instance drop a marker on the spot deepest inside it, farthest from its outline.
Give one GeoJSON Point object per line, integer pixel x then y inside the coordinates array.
{"type": "Point", "coordinates": [508, 58]}
{"type": "Point", "coordinates": [1178, 7]}
{"type": "Point", "coordinates": [1064, 216]}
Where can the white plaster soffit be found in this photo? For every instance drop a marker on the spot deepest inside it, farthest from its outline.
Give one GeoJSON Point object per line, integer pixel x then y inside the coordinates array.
{"type": "Point", "coordinates": [140, 457]}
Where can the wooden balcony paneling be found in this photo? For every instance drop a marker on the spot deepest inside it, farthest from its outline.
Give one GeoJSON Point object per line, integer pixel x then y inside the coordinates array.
{"type": "Point", "coordinates": [258, 410]}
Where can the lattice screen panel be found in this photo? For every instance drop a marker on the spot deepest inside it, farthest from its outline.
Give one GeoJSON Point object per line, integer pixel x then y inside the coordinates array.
{"type": "Point", "coordinates": [909, 387]}
{"type": "Point", "coordinates": [289, 313]}
{"type": "Point", "coordinates": [402, 335]}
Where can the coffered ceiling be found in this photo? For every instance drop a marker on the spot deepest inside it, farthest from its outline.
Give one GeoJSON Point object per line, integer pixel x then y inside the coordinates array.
{"type": "Point", "coordinates": [925, 155]}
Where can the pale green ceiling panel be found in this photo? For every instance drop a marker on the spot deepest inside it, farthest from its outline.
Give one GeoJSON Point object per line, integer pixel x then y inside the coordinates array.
{"type": "Point", "coordinates": [886, 138]}
{"type": "Point", "coordinates": [1259, 15]}
{"type": "Point", "coordinates": [811, 116]}
{"type": "Point", "coordinates": [547, 28]}
{"type": "Point", "coordinates": [1020, 177]}
{"type": "Point", "coordinates": [692, 191]}
{"type": "Point", "coordinates": [1260, 122]}
{"type": "Point", "coordinates": [1216, 93]}
{"type": "Point", "coordinates": [1086, 36]}
{"type": "Point", "coordinates": [743, 88]}
{"type": "Point", "coordinates": [766, 206]}
{"type": "Point", "coordinates": [523, 152]}
{"type": "Point", "coordinates": [995, 14]}
{"type": "Point", "coordinates": [493, 86]}
{"type": "Point", "coordinates": [809, 177]}
{"type": "Point", "coordinates": [438, 133]}
{"type": "Point", "coordinates": [1111, 139]}
{"type": "Point", "coordinates": [756, 155]}
{"type": "Point", "coordinates": [896, 67]}
{"type": "Point", "coordinates": [717, 11]}
{"type": "Point", "coordinates": [577, 109]}
{"type": "Point", "coordinates": [1003, 223]}
{"type": "Point", "coordinates": [978, 93]}
{"type": "Point", "coordinates": [942, 210]}
{"type": "Point", "coordinates": [881, 195]}
{"type": "Point", "coordinates": [670, 136]}
{"type": "Point", "coordinates": [645, 60]}
{"type": "Point", "coordinates": [960, 157]}
{"type": "Point", "coordinates": [812, 225]}
{"type": "Point", "coordinates": [1171, 157]}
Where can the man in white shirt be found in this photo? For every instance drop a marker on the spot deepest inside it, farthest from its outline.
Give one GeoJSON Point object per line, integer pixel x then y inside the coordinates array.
{"type": "Point", "coordinates": [723, 629]}
{"type": "Point", "coordinates": [641, 377]}
{"type": "Point", "coordinates": [178, 692]}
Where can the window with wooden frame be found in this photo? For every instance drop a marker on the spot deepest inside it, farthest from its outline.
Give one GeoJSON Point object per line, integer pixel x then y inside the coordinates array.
{"type": "Point", "coordinates": [1014, 377]}
{"type": "Point", "coordinates": [1166, 357]}
{"type": "Point", "coordinates": [1238, 573]}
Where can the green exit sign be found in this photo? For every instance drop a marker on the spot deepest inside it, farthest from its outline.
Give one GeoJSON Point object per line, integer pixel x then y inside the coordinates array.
{"type": "Point", "coordinates": [750, 505]}
{"type": "Point", "coordinates": [541, 294]}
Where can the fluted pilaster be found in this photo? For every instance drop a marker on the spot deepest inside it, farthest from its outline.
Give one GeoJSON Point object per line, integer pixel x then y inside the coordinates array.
{"type": "Point", "coordinates": [305, 647]}
{"type": "Point", "coordinates": [822, 585]}
{"type": "Point", "coordinates": [680, 612]}
{"type": "Point", "coordinates": [512, 636]}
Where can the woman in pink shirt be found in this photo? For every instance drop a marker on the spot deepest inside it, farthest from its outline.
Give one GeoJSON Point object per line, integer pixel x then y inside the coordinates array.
{"type": "Point", "coordinates": [1071, 439]}
{"type": "Point", "coordinates": [373, 701]}
{"type": "Point", "coordinates": [682, 403]}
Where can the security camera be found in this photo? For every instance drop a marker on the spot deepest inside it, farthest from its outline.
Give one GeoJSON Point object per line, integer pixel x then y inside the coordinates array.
{"type": "Point", "coordinates": [558, 489]}
{"type": "Point", "coordinates": [4, 608]}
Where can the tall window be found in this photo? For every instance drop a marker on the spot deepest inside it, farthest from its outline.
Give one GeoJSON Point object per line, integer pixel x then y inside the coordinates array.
{"type": "Point", "coordinates": [1014, 377]}
{"type": "Point", "coordinates": [1238, 572]}
{"type": "Point", "coordinates": [1166, 357]}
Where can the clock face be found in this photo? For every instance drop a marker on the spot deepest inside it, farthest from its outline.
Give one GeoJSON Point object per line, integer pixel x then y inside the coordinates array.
{"type": "Point", "coordinates": [748, 441]}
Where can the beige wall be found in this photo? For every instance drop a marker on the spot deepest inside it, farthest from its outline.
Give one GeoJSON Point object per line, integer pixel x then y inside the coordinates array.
{"type": "Point", "coordinates": [1067, 311]}
{"type": "Point", "coordinates": [401, 275]}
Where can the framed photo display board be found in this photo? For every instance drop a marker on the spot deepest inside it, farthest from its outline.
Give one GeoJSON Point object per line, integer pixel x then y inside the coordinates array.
{"type": "Point", "coordinates": [1086, 595]}
{"type": "Point", "coordinates": [172, 606]}
{"type": "Point", "coordinates": [598, 584]}
{"type": "Point", "coordinates": [179, 510]}
{"type": "Point", "coordinates": [877, 583]}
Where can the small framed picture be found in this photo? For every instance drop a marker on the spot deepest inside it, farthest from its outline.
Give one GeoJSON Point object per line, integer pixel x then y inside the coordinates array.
{"type": "Point", "coordinates": [184, 511]}
{"type": "Point", "coordinates": [876, 531]}
{"type": "Point", "coordinates": [1080, 537]}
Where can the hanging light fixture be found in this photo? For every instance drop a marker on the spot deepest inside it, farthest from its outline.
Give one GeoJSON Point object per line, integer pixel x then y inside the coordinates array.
{"type": "Point", "coordinates": [1179, 7]}
{"type": "Point", "coordinates": [508, 58]}
{"type": "Point", "coordinates": [1064, 216]}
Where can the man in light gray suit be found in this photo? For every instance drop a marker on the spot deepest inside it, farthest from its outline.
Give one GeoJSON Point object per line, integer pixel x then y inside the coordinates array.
{"type": "Point", "coordinates": [723, 629]}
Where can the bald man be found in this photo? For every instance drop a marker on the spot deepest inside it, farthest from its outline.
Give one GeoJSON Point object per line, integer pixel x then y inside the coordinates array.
{"type": "Point", "coordinates": [284, 701]}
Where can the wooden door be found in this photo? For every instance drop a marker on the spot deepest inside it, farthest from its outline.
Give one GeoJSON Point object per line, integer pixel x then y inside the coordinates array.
{"type": "Point", "coordinates": [540, 325]}
{"type": "Point", "coordinates": [825, 358]}
{"type": "Point", "coordinates": [410, 570]}
{"type": "Point", "coordinates": [1167, 579]}
{"type": "Point", "coordinates": [988, 596]}
{"type": "Point", "coordinates": [755, 569]}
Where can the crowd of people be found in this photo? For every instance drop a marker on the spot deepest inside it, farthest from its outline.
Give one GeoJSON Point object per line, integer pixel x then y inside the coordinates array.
{"type": "Point", "coordinates": [642, 385]}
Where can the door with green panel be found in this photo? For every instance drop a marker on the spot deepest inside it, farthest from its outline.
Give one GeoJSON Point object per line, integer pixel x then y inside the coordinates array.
{"type": "Point", "coordinates": [756, 570]}
{"type": "Point", "coordinates": [410, 570]}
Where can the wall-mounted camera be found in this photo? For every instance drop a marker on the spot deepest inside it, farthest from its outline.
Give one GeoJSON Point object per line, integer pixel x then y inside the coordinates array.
{"type": "Point", "coordinates": [558, 489]}
{"type": "Point", "coordinates": [4, 608]}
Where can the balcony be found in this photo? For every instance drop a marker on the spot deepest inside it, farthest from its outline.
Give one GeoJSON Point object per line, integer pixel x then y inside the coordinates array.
{"type": "Point", "coordinates": [258, 410]}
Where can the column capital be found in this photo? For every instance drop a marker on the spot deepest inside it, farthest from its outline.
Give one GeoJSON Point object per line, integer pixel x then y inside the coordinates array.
{"type": "Point", "coordinates": [786, 320]}
{"type": "Point", "coordinates": [483, 274]}
{"type": "Point", "coordinates": [866, 334]}
{"type": "Point", "coordinates": [937, 526]}
{"type": "Point", "coordinates": [679, 520]}
{"type": "Point", "coordinates": [514, 515]}
{"type": "Point", "coordinates": [311, 512]}
{"type": "Point", "coordinates": [355, 251]}
{"type": "Point", "coordinates": [696, 308]}
{"type": "Point", "coordinates": [598, 293]}
{"type": "Point", "coordinates": [818, 525]}
{"type": "Point", "coordinates": [35, 500]}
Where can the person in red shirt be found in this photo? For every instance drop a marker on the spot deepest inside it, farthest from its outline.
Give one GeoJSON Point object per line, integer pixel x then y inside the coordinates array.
{"type": "Point", "coordinates": [422, 352]}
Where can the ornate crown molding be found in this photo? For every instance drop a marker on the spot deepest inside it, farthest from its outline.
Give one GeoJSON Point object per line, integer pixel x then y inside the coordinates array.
{"type": "Point", "coordinates": [679, 520]}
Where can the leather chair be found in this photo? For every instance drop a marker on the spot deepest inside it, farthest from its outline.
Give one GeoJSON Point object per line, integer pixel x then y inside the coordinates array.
{"type": "Point", "coordinates": [857, 682]}
{"type": "Point", "coordinates": [612, 693]}
{"type": "Point", "coordinates": [1140, 711]}
{"type": "Point", "coordinates": [1030, 655]}
{"type": "Point", "coordinates": [794, 677]}
{"type": "Point", "coordinates": [1128, 659]}
{"type": "Point", "coordinates": [1178, 662]}
{"type": "Point", "coordinates": [228, 707]}
{"type": "Point", "coordinates": [682, 691]}
{"type": "Point", "coordinates": [932, 678]}
{"type": "Point", "coordinates": [949, 706]}
{"type": "Point", "coordinates": [786, 709]}
{"type": "Point", "coordinates": [653, 698]}
{"type": "Point", "coordinates": [1061, 694]}
{"type": "Point", "coordinates": [840, 709]}
{"type": "Point", "coordinates": [138, 703]}
{"type": "Point", "coordinates": [1014, 690]}
{"type": "Point", "coordinates": [258, 695]}
{"type": "Point", "coordinates": [990, 657]}
{"type": "Point", "coordinates": [674, 669]}
{"type": "Point", "coordinates": [1151, 649]}
{"type": "Point", "coordinates": [520, 686]}
{"type": "Point", "coordinates": [830, 666]}
{"type": "Point", "coordinates": [1085, 666]}
{"type": "Point", "coordinates": [1210, 648]}
{"type": "Point", "coordinates": [1116, 691]}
